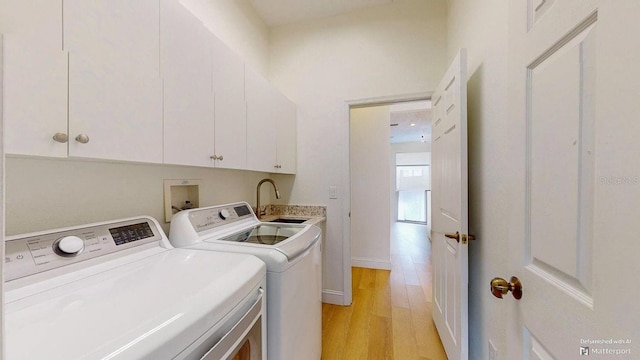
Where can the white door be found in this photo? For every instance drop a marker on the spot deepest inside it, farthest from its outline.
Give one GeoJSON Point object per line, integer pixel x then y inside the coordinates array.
{"type": "Point", "coordinates": [450, 209]}
{"type": "Point", "coordinates": [575, 193]}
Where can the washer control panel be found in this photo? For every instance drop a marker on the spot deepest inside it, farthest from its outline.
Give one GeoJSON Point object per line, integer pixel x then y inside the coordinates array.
{"type": "Point", "coordinates": [33, 253]}
{"type": "Point", "coordinates": [213, 217]}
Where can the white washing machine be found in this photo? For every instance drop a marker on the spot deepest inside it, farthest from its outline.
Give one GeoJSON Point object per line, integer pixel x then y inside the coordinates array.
{"type": "Point", "coordinates": [119, 290]}
{"type": "Point", "coordinates": [292, 253]}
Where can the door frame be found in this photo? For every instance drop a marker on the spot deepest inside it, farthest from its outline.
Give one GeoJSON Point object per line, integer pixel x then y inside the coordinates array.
{"type": "Point", "coordinates": [346, 185]}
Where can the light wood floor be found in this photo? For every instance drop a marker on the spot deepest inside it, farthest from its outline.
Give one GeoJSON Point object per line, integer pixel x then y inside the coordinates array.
{"type": "Point", "coordinates": [390, 317]}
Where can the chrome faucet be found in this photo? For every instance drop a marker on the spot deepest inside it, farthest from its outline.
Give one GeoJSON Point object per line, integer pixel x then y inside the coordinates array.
{"type": "Point", "coordinates": [259, 212]}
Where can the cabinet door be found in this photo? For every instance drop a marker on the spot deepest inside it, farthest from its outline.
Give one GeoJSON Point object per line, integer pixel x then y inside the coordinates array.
{"type": "Point", "coordinates": [230, 109]}
{"type": "Point", "coordinates": [286, 144]}
{"type": "Point", "coordinates": [261, 123]}
{"type": "Point", "coordinates": [188, 97]}
{"type": "Point", "coordinates": [35, 78]}
{"type": "Point", "coordinates": [115, 92]}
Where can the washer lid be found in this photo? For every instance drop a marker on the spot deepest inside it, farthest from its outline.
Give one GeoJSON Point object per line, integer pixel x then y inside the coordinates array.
{"type": "Point", "coordinates": [289, 239]}
{"type": "Point", "coordinates": [152, 308]}
{"type": "Point", "coordinates": [265, 234]}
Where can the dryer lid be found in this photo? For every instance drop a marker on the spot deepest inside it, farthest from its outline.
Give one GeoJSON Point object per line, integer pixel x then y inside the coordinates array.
{"type": "Point", "coordinates": [143, 309]}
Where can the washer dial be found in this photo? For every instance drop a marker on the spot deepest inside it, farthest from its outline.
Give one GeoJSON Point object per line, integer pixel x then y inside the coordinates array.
{"type": "Point", "coordinates": [224, 214]}
{"type": "Point", "coordinates": [68, 246]}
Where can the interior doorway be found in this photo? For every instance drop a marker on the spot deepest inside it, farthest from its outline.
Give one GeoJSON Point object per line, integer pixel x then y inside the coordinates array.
{"type": "Point", "coordinates": [379, 134]}
{"type": "Point", "coordinates": [392, 137]}
{"type": "Point", "coordinates": [410, 143]}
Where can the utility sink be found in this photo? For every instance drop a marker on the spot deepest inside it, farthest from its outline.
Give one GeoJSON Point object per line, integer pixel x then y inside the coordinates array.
{"type": "Point", "coordinates": [288, 220]}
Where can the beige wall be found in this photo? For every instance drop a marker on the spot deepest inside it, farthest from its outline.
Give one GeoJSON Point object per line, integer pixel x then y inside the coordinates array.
{"type": "Point", "coordinates": [321, 64]}
{"type": "Point", "coordinates": [44, 193]}
{"type": "Point", "coordinates": [481, 27]}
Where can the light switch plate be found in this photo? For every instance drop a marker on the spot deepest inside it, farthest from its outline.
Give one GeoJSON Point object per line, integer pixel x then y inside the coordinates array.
{"type": "Point", "coordinates": [333, 192]}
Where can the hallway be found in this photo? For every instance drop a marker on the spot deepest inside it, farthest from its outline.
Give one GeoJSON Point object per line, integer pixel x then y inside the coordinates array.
{"type": "Point", "coordinates": [390, 317]}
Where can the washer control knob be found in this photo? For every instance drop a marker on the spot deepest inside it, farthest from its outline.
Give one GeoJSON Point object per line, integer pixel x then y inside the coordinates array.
{"type": "Point", "coordinates": [223, 214]}
{"type": "Point", "coordinates": [68, 246]}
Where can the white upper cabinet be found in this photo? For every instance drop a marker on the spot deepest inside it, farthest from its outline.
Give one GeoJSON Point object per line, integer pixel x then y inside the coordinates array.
{"type": "Point", "coordinates": [261, 123]}
{"type": "Point", "coordinates": [286, 144]}
{"type": "Point", "coordinates": [271, 127]}
{"type": "Point", "coordinates": [185, 58]}
{"type": "Point", "coordinates": [230, 109]}
{"type": "Point", "coordinates": [35, 78]}
{"type": "Point", "coordinates": [141, 81]}
{"type": "Point", "coordinates": [115, 91]}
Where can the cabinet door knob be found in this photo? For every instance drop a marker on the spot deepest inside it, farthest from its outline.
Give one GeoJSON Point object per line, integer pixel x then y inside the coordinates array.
{"type": "Point", "coordinates": [82, 138]}
{"type": "Point", "coordinates": [216, 157]}
{"type": "Point", "coordinates": [61, 137]}
{"type": "Point", "coordinates": [220, 157]}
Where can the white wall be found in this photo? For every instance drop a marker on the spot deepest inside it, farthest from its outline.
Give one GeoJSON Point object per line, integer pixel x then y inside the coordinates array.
{"type": "Point", "coordinates": [387, 50]}
{"type": "Point", "coordinates": [481, 27]}
{"type": "Point", "coordinates": [370, 184]}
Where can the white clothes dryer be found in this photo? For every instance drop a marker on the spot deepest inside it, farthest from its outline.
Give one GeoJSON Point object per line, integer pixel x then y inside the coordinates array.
{"type": "Point", "coordinates": [119, 290]}
{"type": "Point", "coordinates": [293, 256]}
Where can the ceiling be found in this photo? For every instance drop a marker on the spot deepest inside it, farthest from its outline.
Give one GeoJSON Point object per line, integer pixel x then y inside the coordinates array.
{"type": "Point", "coordinates": [280, 12]}
{"type": "Point", "coordinates": [404, 115]}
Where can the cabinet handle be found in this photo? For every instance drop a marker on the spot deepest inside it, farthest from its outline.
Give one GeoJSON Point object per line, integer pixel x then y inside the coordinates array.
{"type": "Point", "coordinates": [278, 166]}
{"type": "Point", "coordinates": [220, 157]}
{"type": "Point", "coordinates": [61, 137]}
{"type": "Point", "coordinates": [82, 139]}
{"type": "Point", "coordinates": [216, 157]}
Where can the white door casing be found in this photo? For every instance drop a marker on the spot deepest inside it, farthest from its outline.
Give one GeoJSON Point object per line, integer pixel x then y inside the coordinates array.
{"type": "Point", "coordinates": [450, 209]}
{"type": "Point", "coordinates": [575, 190]}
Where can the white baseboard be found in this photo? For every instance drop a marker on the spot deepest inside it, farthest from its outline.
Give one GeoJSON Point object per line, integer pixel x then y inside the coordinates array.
{"type": "Point", "coordinates": [333, 297]}
{"type": "Point", "coordinates": [371, 263]}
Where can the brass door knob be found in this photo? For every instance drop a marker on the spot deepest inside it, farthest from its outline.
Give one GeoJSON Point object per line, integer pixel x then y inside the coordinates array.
{"type": "Point", "coordinates": [457, 237]}
{"type": "Point", "coordinates": [500, 286]}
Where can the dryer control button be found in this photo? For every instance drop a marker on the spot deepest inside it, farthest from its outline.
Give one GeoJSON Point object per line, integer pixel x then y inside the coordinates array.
{"type": "Point", "coordinates": [223, 214]}
{"type": "Point", "coordinates": [68, 246]}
